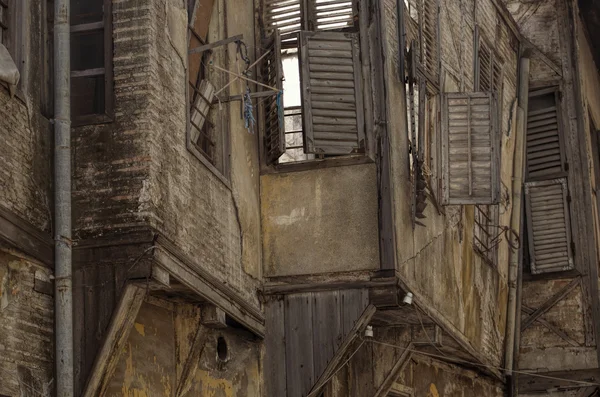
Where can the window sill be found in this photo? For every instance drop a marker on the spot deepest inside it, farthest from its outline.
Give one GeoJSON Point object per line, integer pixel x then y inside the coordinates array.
{"type": "Point", "coordinates": [214, 170]}
{"type": "Point", "coordinates": [318, 163]}
{"type": "Point", "coordinates": [92, 119]}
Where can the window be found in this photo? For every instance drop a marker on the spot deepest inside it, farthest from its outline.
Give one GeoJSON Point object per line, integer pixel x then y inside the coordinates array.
{"type": "Point", "coordinates": [546, 186]}
{"type": "Point", "coordinates": [91, 61]}
{"type": "Point", "coordinates": [207, 123]}
{"type": "Point", "coordinates": [320, 113]}
{"type": "Point", "coordinates": [486, 236]}
{"type": "Point", "coordinates": [4, 23]}
{"type": "Point", "coordinates": [423, 16]}
{"type": "Point", "coordinates": [470, 149]}
{"type": "Point", "coordinates": [488, 67]}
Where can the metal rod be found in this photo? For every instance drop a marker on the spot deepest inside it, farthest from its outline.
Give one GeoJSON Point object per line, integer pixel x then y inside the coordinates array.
{"type": "Point", "coordinates": [63, 296]}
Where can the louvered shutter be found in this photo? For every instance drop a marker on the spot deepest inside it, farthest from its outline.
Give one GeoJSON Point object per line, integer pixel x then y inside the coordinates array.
{"type": "Point", "coordinates": [331, 14]}
{"type": "Point", "coordinates": [470, 149]}
{"type": "Point", "coordinates": [488, 73]}
{"type": "Point", "coordinates": [548, 226]}
{"type": "Point", "coordinates": [331, 91]}
{"type": "Point", "coordinates": [283, 15]}
{"type": "Point", "coordinates": [274, 133]}
{"type": "Point", "coordinates": [544, 139]}
{"type": "Point", "coordinates": [429, 39]}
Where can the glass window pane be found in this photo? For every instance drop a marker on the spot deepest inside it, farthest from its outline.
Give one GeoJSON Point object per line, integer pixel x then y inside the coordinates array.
{"type": "Point", "coordinates": [87, 95]}
{"type": "Point", "coordinates": [86, 11]}
{"type": "Point", "coordinates": [87, 50]}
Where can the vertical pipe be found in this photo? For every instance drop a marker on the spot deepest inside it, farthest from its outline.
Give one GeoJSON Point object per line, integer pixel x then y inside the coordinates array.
{"type": "Point", "coordinates": [515, 222]}
{"type": "Point", "coordinates": [63, 310]}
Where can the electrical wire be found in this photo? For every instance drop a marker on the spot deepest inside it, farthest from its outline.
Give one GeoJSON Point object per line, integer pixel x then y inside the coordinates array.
{"type": "Point", "coordinates": [458, 360]}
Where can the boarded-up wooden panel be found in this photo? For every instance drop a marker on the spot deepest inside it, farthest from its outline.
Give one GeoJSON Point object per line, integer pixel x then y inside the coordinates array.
{"type": "Point", "coordinates": [299, 343]}
{"type": "Point", "coordinates": [327, 328]}
{"type": "Point", "coordinates": [470, 149]}
{"type": "Point", "coordinates": [548, 226]}
{"type": "Point", "coordinates": [275, 374]}
{"type": "Point", "coordinates": [331, 90]}
{"type": "Point", "coordinates": [274, 135]}
{"type": "Point", "coordinates": [545, 153]}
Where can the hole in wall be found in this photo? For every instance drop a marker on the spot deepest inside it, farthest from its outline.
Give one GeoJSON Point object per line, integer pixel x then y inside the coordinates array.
{"type": "Point", "coordinates": [222, 349]}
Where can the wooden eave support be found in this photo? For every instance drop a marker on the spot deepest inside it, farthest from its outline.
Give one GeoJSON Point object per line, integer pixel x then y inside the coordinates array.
{"type": "Point", "coordinates": [219, 43]}
{"type": "Point", "coordinates": [118, 331]}
{"type": "Point", "coordinates": [340, 354]}
{"type": "Point", "coordinates": [388, 382]}
{"type": "Point", "coordinates": [191, 363]}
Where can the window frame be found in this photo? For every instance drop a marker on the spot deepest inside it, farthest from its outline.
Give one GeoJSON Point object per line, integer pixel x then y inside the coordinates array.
{"type": "Point", "coordinates": [357, 27]}
{"type": "Point", "coordinates": [225, 147]}
{"type": "Point", "coordinates": [107, 71]}
{"type": "Point", "coordinates": [486, 236]}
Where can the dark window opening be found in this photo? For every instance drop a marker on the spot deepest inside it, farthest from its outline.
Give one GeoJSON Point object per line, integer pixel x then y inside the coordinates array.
{"type": "Point", "coordinates": [222, 349]}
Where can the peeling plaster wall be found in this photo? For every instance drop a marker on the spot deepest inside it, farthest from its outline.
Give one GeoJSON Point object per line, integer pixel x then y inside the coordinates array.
{"type": "Point", "coordinates": [158, 346]}
{"type": "Point", "coordinates": [320, 221]}
{"type": "Point", "coordinates": [438, 262]}
{"type": "Point", "coordinates": [25, 166]}
{"type": "Point", "coordinates": [26, 328]}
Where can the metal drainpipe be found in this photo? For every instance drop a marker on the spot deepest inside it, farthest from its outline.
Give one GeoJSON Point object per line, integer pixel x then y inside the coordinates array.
{"type": "Point", "coordinates": [63, 294]}
{"type": "Point", "coordinates": [515, 222]}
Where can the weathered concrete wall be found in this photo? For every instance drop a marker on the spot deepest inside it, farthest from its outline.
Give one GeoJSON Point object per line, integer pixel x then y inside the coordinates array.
{"type": "Point", "coordinates": [26, 328]}
{"type": "Point", "coordinates": [320, 221]}
{"type": "Point", "coordinates": [158, 346]}
{"type": "Point", "coordinates": [25, 166]}
{"type": "Point", "coordinates": [438, 261]}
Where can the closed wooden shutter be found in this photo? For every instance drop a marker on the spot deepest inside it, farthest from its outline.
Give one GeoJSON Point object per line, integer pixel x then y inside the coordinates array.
{"type": "Point", "coordinates": [333, 120]}
{"type": "Point", "coordinates": [274, 133]}
{"type": "Point", "coordinates": [283, 15]}
{"type": "Point", "coordinates": [548, 226]}
{"type": "Point", "coordinates": [544, 138]}
{"type": "Point", "coordinates": [470, 149]}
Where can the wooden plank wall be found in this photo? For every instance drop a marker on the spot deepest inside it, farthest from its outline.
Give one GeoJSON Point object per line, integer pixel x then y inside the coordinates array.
{"type": "Point", "coordinates": [304, 331]}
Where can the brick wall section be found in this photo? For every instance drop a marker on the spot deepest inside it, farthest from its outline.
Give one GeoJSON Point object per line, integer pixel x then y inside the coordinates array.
{"type": "Point", "coordinates": [25, 166]}
{"type": "Point", "coordinates": [26, 330]}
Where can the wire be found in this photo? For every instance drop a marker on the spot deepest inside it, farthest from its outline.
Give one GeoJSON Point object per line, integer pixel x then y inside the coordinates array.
{"type": "Point", "coordinates": [534, 374]}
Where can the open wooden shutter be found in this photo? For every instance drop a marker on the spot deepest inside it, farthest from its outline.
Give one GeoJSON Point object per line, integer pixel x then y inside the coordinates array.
{"type": "Point", "coordinates": [544, 139]}
{"type": "Point", "coordinates": [488, 66]}
{"type": "Point", "coordinates": [548, 226]}
{"type": "Point", "coordinates": [332, 105]}
{"type": "Point", "coordinates": [470, 149]}
{"type": "Point", "coordinates": [286, 16]}
{"type": "Point", "coordinates": [274, 135]}
{"type": "Point", "coordinates": [330, 14]}
{"type": "Point", "coordinates": [429, 20]}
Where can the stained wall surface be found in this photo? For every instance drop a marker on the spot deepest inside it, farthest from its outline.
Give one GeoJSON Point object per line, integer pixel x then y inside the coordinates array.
{"type": "Point", "coordinates": [437, 262]}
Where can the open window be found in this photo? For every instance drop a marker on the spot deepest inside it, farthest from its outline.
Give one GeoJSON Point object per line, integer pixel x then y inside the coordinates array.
{"type": "Point", "coordinates": [91, 61]}
{"type": "Point", "coordinates": [319, 114]}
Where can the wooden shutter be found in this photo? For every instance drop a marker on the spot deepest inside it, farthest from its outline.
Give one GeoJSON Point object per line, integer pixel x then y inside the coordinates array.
{"type": "Point", "coordinates": [470, 149]}
{"type": "Point", "coordinates": [545, 156]}
{"type": "Point", "coordinates": [488, 66]}
{"type": "Point", "coordinates": [548, 226]}
{"type": "Point", "coordinates": [429, 20]}
{"type": "Point", "coordinates": [283, 15]}
{"type": "Point", "coordinates": [274, 135]}
{"type": "Point", "coordinates": [332, 105]}
{"type": "Point", "coordinates": [331, 14]}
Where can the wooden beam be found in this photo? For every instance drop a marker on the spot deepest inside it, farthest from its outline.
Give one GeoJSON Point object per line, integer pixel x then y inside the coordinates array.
{"type": "Point", "coordinates": [219, 43]}
{"type": "Point", "coordinates": [551, 327]}
{"type": "Point", "coordinates": [389, 380]}
{"type": "Point", "coordinates": [586, 392]}
{"type": "Point", "coordinates": [550, 302]}
{"type": "Point", "coordinates": [340, 354]}
{"type": "Point", "coordinates": [541, 382]}
{"type": "Point", "coordinates": [17, 233]}
{"type": "Point", "coordinates": [293, 288]}
{"type": "Point", "coordinates": [191, 363]}
{"type": "Point", "coordinates": [213, 317]}
{"type": "Point", "coordinates": [121, 324]}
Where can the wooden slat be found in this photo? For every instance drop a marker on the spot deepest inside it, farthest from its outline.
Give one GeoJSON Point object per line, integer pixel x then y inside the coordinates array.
{"type": "Point", "coordinates": [275, 368]}
{"type": "Point", "coordinates": [548, 226]}
{"type": "Point", "coordinates": [388, 382]}
{"type": "Point", "coordinates": [299, 344]}
{"type": "Point", "coordinates": [332, 101]}
{"type": "Point", "coordinates": [327, 328]}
